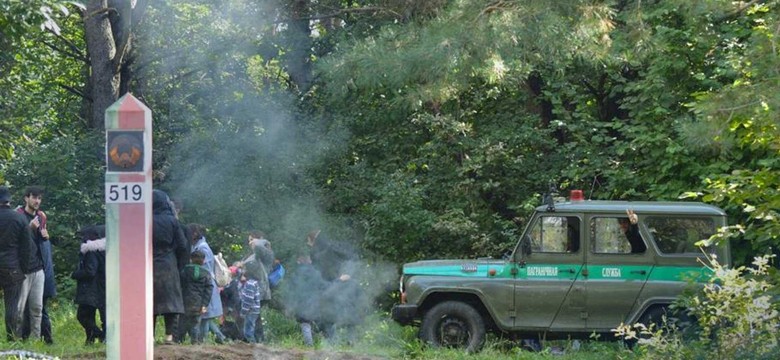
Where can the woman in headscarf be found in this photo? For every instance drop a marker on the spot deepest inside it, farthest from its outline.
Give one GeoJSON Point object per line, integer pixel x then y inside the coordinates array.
{"type": "Point", "coordinates": [171, 252]}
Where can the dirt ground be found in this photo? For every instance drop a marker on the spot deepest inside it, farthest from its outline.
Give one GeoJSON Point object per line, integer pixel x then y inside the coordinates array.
{"type": "Point", "coordinates": [247, 351]}
{"type": "Point", "coordinates": [235, 351]}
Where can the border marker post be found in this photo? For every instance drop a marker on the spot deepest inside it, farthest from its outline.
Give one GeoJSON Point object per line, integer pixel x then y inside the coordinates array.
{"type": "Point", "coordinates": [128, 191]}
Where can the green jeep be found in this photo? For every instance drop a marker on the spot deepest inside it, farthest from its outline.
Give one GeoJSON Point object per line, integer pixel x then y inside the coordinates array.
{"type": "Point", "coordinates": [580, 267]}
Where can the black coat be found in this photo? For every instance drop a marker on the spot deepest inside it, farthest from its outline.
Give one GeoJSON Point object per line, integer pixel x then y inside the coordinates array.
{"type": "Point", "coordinates": [171, 253]}
{"type": "Point", "coordinates": [91, 274]}
{"type": "Point", "coordinates": [330, 256]}
{"type": "Point", "coordinates": [15, 246]}
{"type": "Point", "coordinates": [44, 253]}
{"type": "Point", "coordinates": [303, 291]}
{"type": "Point", "coordinates": [231, 299]}
{"type": "Point", "coordinates": [196, 287]}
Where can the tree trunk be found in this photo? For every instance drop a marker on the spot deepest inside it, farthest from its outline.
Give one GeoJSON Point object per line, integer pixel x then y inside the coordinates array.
{"type": "Point", "coordinates": [299, 60]}
{"type": "Point", "coordinates": [103, 79]}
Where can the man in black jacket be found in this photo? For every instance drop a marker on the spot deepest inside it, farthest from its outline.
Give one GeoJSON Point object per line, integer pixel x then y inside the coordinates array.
{"type": "Point", "coordinates": [33, 196]}
{"type": "Point", "coordinates": [15, 247]}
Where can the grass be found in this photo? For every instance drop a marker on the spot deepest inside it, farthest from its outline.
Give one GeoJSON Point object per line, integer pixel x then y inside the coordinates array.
{"type": "Point", "coordinates": [378, 337]}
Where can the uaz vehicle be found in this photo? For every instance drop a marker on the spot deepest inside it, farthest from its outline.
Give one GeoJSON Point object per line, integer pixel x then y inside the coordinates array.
{"type": "Point", "coordinates": [580, 267]}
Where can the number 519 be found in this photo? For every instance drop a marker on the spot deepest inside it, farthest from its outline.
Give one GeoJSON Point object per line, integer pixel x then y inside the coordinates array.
{"type": "Point", "coordinates": [124, 192]}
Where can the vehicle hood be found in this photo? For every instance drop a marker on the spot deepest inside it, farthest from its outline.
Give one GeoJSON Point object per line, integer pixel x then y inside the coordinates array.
{"type": "Point", "coordinates": [462, 267]}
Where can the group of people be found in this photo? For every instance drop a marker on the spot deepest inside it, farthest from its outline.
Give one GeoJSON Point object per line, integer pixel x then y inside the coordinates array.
{"type": "Point", "coordinates": [26, 266]}
{"type": "Point", "coordinates": [186, 293]}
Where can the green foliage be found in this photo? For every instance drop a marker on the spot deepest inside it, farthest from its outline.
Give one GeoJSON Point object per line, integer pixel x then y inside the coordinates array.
{"type": "Point", "coordinates": [737, 316]}
{"type": "Point", "coordinates": [35, 103]}
{"type": "Point", "coordinates": [430, 127]}
{"type": "Point", "coordinates": [69, 168]}
{"type": "Point", "coordinates": [68, 335]}
{"type": "Point", "coordinates": [742, 125]}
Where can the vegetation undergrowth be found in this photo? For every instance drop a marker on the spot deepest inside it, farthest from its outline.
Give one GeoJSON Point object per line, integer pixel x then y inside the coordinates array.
{"type": "Point", "coordinates": [735, 317]}
{"type": "Point", "coordinates": [378, 337]}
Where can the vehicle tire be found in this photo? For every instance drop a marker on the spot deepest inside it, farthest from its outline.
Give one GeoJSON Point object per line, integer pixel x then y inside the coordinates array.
{"type": "Point", "coordinates": [453, 324]}
{"type": "Point", "coordinates": [654, 317]}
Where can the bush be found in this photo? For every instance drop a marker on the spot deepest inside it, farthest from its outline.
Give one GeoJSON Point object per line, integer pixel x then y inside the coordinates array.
{"type": "Point", "coordinates": [736, 313]}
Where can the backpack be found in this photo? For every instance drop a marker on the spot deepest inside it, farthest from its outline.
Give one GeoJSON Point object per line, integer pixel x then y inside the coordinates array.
{"type": "Point", "coordinates": [221, 271]}
{"type": "Point", "coordinates": [276, 275]}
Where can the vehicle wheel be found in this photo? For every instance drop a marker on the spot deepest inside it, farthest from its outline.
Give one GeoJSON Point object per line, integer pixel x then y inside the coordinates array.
{"type": "Point", "coordinates": [654, 317]}
{"type": "Point", "coordinates": [676, 320]}
{"type": "Point", "coordinates": [453, 324]}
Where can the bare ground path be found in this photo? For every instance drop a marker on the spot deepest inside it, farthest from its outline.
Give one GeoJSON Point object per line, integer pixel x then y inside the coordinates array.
{"type": "Point", "coordinates": [239, 351]}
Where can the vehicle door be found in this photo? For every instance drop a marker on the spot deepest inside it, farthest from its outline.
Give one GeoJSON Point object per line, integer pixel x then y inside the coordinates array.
{"type": "Point", "coordinates": [613, 274]}
{"type": "Point", "coordinates": [546, 273]}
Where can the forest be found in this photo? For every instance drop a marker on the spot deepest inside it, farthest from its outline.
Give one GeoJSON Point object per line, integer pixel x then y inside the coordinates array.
{"type": "Point", "coordinates": [412, 129]}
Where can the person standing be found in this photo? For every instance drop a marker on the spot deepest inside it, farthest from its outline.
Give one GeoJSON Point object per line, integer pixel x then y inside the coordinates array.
{"type": "Point", "coordinates": [196, 286]}
{"type": "Point", "coordinates": [302, 298]}
{"type": "Point", "coordinates": [334, 319]}
{"type": "Point", "coordinates": [263, 256]}
{"type": "Point", "coordinates": [31, 297]}
{"type": "Point", "coordinates": [214, 310]}
{"type": "Point", "coordinates": [251, 295]}
{"type": "Point", "coordinates": [171, 251]}
{"type": "Point", "coordinates": [329, 256]}
{"type": "Point", "coordinates": [90, 279]}
{"type": "Point", "coordinates": [15, 246]}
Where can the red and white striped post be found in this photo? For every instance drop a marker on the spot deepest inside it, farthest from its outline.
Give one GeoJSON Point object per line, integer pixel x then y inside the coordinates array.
{"type": "Point", "coordinates": [129, 230]}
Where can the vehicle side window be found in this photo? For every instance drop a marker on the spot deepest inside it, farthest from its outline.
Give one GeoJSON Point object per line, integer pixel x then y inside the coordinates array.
{"type": "Point", "coordinates": [678, 235]}
{"type": "Point", "coordinates": [556, 234]}
{"type": "Point", "coordinates": [612, 235]}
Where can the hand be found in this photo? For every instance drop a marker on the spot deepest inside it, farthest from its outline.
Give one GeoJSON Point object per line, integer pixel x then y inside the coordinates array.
{"type": "Point", "coordinates": [203, 310]}
{"type": "Point", "coordinates": [344, 277]}
{"type": "Point", "coordinates": [45, 233]}
{"type": "Point", "coordinates": [632, 216]}
{"type": "Point", "coordinates": [35, 223]}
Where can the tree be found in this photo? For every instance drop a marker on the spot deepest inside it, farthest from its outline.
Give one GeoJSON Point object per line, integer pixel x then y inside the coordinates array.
{"type": "Point", "coordinates": [108, 27]}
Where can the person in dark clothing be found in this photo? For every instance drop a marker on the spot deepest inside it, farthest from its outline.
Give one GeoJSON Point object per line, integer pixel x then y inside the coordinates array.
{"type": "Point", "coordinates": [630, 228]}
{"type": "Point", "coordinates": [196, 287]}
{"type": "Point", "coordinates": [343, 306]}
{"type": "Point", "coordinates": [303, 291]}
{"type": "Point", "coordinates": [171, 253]}
{"type": "Point", "coordinates": [233, 325]}
{"type": "Point", "coordinates": [31, 298]}
{"type": "Point", "coordinates": [90, 279]}
{"type": "Point", "coordinates": [329, 256]}
{"type": "Point", "coordinates": [16, 245]}
{"type": "Point", "coordinates": [33, 197]}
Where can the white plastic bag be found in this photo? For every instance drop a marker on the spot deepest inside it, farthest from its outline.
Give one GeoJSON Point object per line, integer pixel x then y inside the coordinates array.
{"type": "Point", "coordinates": [221, 271]}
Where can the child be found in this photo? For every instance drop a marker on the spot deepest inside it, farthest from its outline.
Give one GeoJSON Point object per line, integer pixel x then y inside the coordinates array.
{"type": "Point", "coordinates": [196, 287]}
{"type": "Point", "coordinates": [251, 294]}
{"type": "Point", "coordinates": [90, 279]}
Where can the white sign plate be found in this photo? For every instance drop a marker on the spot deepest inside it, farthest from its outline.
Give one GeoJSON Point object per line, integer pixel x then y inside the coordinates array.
{"type": "Point", "coordinates": [125, 192]}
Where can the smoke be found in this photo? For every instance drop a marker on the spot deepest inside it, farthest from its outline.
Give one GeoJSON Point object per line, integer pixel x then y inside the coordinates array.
{"type": "Point", "coordinates": [234, 147]}
{"type": "Point", "coordinates": [338, 296]}
{"type": "Point", "coordinates": [238, 152]}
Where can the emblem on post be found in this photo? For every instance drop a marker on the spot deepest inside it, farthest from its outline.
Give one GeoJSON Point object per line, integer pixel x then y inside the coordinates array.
{"type": "Point", "coordinates": [125, 151]}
